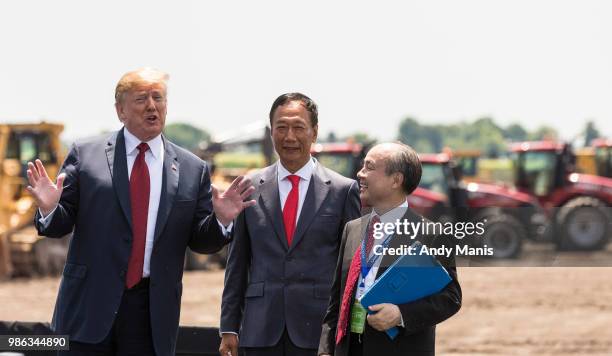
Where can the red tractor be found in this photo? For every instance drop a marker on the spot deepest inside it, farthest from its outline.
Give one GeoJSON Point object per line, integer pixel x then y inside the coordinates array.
{"type": "Point", "coordinates": [578, 204]}
{"type": "Point", "coordinates": [511, 216]}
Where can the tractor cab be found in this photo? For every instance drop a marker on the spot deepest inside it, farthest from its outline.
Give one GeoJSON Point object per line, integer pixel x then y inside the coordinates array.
{"type": "Point", "coordinates": [345, 158]}
{"type": "Point", "coordinates": [541, 167]}
{"type": "Point", "coordinates": [578, 204]}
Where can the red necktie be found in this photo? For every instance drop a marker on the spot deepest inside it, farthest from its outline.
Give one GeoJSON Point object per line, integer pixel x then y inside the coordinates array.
{"type": "Point", "coordinates": [291, 207]}
{"type": "Point", "coordinates": [139, 199]}
{"type": "Point", "coordinates": [351, 282]}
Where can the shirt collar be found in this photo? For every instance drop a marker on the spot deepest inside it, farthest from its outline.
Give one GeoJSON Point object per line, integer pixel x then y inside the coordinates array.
{"type": "Point", "coordinates": [393, 214]}
{"type": "Point", "coordinates": [131, 142]}
{"type": "Point", "coordinates": [304, 173]}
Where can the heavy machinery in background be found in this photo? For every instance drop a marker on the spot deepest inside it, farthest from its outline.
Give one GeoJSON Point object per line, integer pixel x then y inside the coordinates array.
{"type": "Point", "coordinates": [231, 155]}
{"type": "Point", "coordinates": [477, 168]}
{"type": "Point", "coordinates": [595, 159]}
{"type": "Point", "coordinates": [22, 251]}
{"type": "Point", "coordinates": [511, 216]}
{"type": "Point", "coordinates": [345, 158]}
{"type": "Point", "coordinates": [578, 205]}
{"type": "Point", "coordinates": [603, 157]}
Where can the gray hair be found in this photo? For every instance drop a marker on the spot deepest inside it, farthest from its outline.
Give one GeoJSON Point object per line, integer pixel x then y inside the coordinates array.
{"type": "Point", "coordinates": [405, 160]}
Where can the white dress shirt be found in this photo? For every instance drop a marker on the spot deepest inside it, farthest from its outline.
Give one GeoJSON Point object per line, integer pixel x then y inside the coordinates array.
{"type": "Point", "coordinates": [284, 184]}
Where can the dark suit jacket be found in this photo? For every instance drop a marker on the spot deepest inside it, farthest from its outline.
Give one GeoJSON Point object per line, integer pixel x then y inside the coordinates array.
{"type": "Point", "coordinates": [270, 286]}
{"type": "Point", "coordinates": [420, 317]}
{"type": "Point", "coordinates": [96, 204]}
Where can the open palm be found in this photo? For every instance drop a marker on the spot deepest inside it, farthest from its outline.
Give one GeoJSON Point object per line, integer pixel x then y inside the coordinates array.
{"type": "Point", "coordinates": [230, 203]}
{"type": "Point", "coordinates": [46, 193]}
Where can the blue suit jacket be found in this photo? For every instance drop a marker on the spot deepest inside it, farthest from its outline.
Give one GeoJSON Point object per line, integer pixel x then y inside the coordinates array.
{"type": "Point", "coordinates": [95, 204]}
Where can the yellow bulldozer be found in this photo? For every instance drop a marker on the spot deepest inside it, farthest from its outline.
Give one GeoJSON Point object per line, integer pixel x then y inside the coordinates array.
{"type": "Point", "coordinates": [22, 251]}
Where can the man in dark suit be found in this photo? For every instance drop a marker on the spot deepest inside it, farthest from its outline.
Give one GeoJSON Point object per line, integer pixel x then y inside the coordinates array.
{"type": "Point", "coordinates": [135, 201]}
{"type": "Point", "coordinates": [281, 262]}
{"type": "Point", "coordinates": [390, 173]}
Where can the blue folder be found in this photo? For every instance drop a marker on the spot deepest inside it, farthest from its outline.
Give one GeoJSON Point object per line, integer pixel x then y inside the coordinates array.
{"type": "Point", "coordinates": [409, 278]}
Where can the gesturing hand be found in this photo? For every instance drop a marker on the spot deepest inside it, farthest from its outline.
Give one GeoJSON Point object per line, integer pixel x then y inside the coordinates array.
{"type": "Point", "coordinates": [46, 193]}
{"type": "Point", "coordinates": [229, 204]}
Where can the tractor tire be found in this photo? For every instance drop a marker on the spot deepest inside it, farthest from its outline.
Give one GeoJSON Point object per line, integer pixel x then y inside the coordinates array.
{"type": "Point", "coordinates": [583, 224]}
{"type": "Point", "coordinates": [505, 234]}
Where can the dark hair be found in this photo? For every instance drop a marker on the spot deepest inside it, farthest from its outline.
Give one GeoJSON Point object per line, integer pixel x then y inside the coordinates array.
{"type": "Point", "coordinates": [310, 106]}
{"type": "Point", "coordinates": [406, 161]}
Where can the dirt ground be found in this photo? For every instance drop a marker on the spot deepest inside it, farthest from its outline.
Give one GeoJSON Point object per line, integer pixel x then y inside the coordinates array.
{"type": "Point", "coordinates": [506, 311]}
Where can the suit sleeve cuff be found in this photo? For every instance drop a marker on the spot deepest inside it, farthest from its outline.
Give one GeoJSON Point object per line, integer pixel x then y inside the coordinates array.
{"type": "Point", "coordinates": [45, 220]}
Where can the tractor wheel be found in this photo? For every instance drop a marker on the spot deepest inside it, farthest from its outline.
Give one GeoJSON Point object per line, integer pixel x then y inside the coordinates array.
{"type": "Point", "coordinates": [583, 224]}
{"type": "Point", "coordinates": [505, 234]}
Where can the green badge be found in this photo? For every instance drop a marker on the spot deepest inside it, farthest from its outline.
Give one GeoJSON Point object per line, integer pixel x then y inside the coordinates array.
{"type": "Point", "coordinates": [358, 318]}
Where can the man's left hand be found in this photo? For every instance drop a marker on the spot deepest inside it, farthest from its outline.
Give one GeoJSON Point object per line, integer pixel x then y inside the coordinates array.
{"type": "Point", "coordinates": [230, 203]}
{"type": "Point", "coordinates": [386, 316]}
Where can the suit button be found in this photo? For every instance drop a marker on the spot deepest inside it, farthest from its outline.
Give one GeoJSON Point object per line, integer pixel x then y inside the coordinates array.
{"type": "Point", "coordinates": [289, 259]}
{"type": "Point", "coordinates": [122, 273]}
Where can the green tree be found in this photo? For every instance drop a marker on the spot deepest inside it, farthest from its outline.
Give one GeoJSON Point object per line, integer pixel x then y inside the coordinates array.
{"type": "Point", "coordinates": [186, 135]}
{"type": "Point", "coordinates": [544, 132]}
{"type": "Point", "coordinates": [515, 132]}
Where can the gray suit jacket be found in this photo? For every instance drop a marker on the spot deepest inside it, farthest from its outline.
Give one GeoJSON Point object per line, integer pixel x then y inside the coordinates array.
{"type": "Point", "coordinates": [270, 286]}
{"type": "Point", "coordinates": [96, 204]}
{"type": "Point", "coordinates": [417, 337]}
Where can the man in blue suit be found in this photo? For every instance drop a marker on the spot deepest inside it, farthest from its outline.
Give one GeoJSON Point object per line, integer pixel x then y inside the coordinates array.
{"type": "Point", "coordinates": [134, 201]}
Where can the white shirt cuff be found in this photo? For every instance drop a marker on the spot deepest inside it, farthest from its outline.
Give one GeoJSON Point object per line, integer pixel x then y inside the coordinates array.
{"type": "Point", "coordinates": [44, 220]}
{"type": "Point", "coordinates": [226, 230]}
{"type": "Point", "coordinates": [401, 323]}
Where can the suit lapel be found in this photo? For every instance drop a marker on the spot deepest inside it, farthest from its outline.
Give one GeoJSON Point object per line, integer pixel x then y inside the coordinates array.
{"type": "Point", "coordinates": [270, 202]}
{"type": "Point", "coordinates": [170, 180]}
{"type": "Point", "coordinates": [117, 164]}
{"type": "Point", "coordinates": [315, 195]}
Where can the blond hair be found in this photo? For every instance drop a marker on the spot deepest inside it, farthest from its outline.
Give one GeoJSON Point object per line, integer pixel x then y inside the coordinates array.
{"type": "Point", "coordinates": [142, 76]}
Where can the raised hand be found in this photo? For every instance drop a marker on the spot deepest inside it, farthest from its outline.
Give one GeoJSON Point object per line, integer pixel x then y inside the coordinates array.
{"type": "Point", "coordinates": [46, 193]}
{"type": "Point", "coordinates": [229, 204]}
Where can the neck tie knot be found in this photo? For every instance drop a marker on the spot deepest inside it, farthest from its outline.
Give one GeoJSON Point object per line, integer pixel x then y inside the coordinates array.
{"type": "Point", "coordinates": [143, 147]}
{"type": "Point", "coordinates": [295, 180]}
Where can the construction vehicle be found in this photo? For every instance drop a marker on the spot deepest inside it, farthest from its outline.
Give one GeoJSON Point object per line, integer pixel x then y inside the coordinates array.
{"type": "Point", "coordinates": [603, 156]}
{"type": "Point", "coordinates": [585, 160]}
{"type": "Point", "coordinates": [231, 155]}
{"type": "Point", "coordinates": [578, 204]}
{"type": "Point", "coordinates": [511, 216]}
{"type": "Point", "coordinates": [22, 251]}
